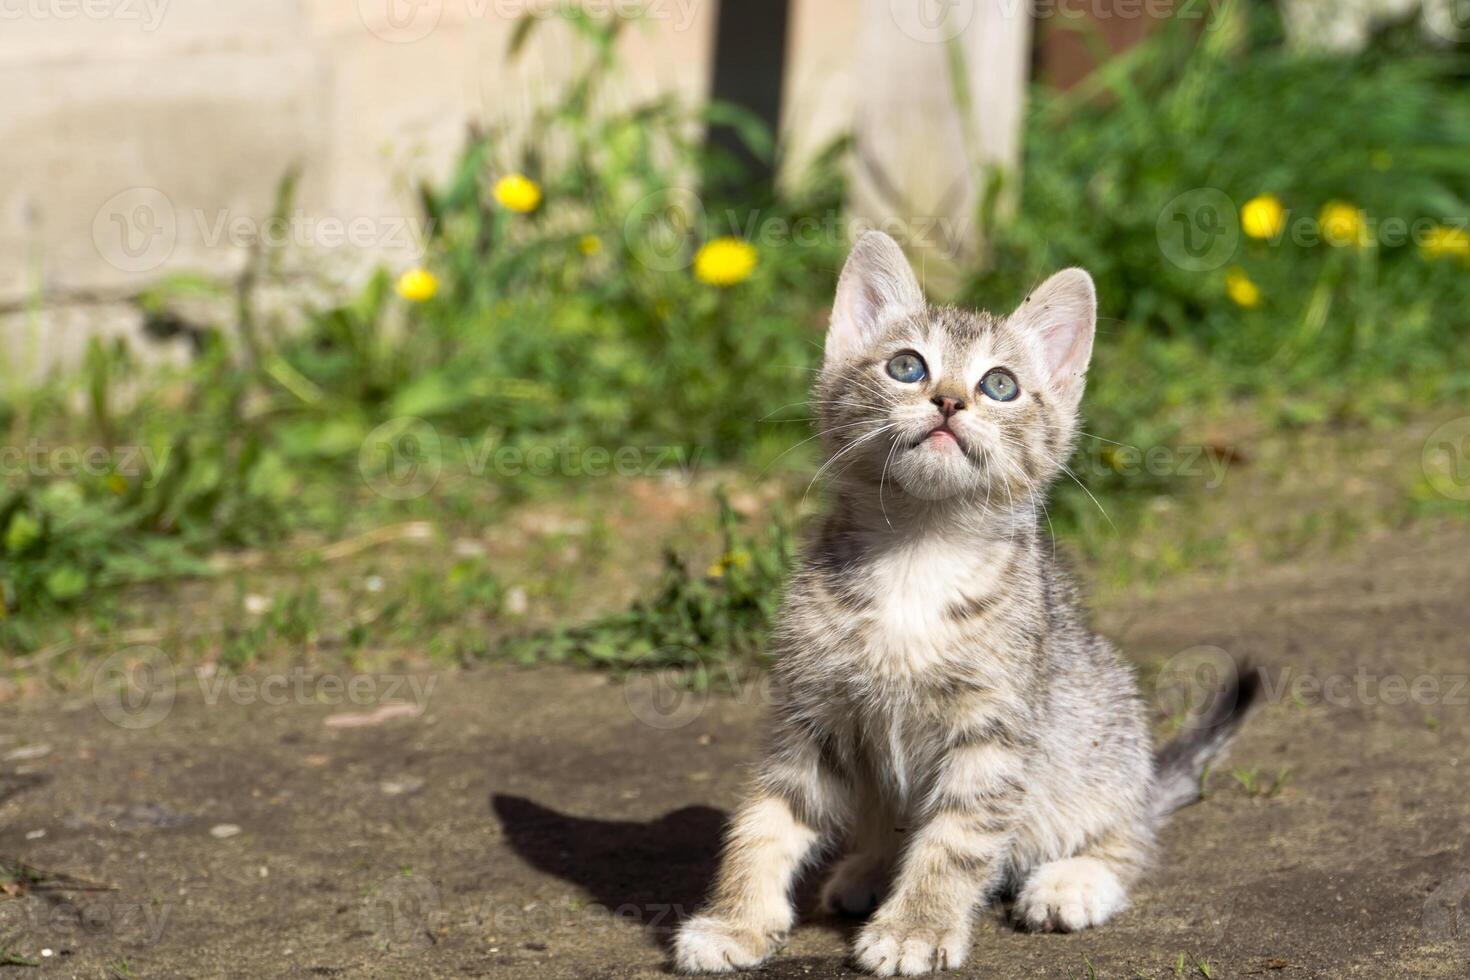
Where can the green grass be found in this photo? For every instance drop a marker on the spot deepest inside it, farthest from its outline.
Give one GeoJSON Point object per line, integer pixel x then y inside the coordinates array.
{"type": "Point", "coordinates": [537, 343]}
{"type": "Point", "coordinates": [1253, 783]}
{"type": "Point", "coordinates": [695, 615]}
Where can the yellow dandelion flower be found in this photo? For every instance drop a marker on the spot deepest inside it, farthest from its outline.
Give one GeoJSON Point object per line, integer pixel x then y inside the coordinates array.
{"type": "Point", "coordinates": [589, 245]}
{"type": "Point", "coordinates": [1343, 224]}
{"type": "Point", "coordinates": [732, 559]}
{"type": "Point", "coordinates": [1263, 217]}
{"type": "Point", "coordinates": [1444, 242]}
{"type": "Point", "coordinates": [1241, 290]}
{"type": "Point", "coordinates": [518, 193]}
{"type": "Point", "coordinates": [725, 262]}
{"type": "Point", "coordinates": [417, 285]}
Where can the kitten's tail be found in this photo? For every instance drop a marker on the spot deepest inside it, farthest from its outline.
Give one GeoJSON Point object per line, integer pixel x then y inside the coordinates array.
{"type": "Point", "coordinates": [1179, 766]}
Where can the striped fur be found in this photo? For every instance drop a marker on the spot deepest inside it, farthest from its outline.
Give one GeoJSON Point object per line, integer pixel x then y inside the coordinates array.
{"type": "Point", "coordinates": [940, 708]}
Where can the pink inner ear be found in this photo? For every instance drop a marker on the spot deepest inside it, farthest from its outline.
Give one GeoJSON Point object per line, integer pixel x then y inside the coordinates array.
{"type": "Point", "coordinates": [1064, 344]}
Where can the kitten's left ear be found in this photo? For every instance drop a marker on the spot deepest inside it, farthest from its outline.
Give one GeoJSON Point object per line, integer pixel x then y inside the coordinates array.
{"type": "Point", "coordinates": [1062, 313]}
{"type": "Point", "coordinates": [876, 285]}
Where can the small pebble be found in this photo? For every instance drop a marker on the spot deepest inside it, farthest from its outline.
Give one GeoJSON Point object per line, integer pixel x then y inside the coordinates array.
{"type": "Point", "coordinates": [35, 834]}
{"type": "Point", "coordinates": [224, 830]}
{"type": "Point", "coordinates": [28, 752]}
{"type": "Point", "coordinates": [398, 787]}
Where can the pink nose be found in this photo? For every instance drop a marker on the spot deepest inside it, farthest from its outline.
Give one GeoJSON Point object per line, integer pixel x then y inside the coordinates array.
{"type": "Point", "coordinates": [948, 405]}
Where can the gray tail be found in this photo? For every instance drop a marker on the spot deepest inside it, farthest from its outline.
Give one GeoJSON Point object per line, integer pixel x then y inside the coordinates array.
{"type": "Point", "coordinates": [1180, 765]}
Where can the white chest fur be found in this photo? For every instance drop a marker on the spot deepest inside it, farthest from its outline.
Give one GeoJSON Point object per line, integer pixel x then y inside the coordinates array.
{"type": "Point", "coordinates": [920, 589]}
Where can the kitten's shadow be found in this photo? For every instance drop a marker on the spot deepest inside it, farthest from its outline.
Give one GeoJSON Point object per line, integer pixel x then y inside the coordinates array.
{"type": "Point", "coordinates": [655, 872]}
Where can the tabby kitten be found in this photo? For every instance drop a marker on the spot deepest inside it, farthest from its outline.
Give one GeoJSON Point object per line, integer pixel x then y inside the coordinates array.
{"type": "Point", "coordinates": [940, 707]}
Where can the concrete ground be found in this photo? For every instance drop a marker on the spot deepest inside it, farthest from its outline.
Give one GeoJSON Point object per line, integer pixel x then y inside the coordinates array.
{"type": "Point", "coordinates": [548, 823]}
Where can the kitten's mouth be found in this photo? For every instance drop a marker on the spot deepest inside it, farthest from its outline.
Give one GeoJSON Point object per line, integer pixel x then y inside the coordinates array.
{"type": "Point", "coordinates": [941, 435]}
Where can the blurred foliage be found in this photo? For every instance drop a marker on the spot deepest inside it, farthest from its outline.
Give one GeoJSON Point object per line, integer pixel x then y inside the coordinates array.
{"type": "Point", "coordinates": [693, 619]}
{"type": "Point", "coordinates": [1341, 334]}
{"type": "Point", "coordinates": [567, 309]}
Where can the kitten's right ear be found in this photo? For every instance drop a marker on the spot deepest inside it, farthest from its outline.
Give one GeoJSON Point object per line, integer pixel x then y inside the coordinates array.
{"type": "Point", "coordinates": [877, 284]}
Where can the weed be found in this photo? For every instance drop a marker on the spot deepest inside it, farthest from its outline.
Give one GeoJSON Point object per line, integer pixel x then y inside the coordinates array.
{"type": "Point", "coordinates": [693, 619]}
{"type": "Point", "coordinates": [1253, 784]}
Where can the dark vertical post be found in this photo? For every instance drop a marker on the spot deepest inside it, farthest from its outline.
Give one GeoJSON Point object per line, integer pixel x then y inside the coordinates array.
{"type": "Point", "coordinates": [750, 72]}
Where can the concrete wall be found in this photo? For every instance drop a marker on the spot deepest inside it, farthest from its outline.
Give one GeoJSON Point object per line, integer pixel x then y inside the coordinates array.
{"type": "Point", "coordinates": [139, 135]}
{"type": "Point", "coordinates": [146, 137]}
{"type": "Point", "coordinates": [140, 138]}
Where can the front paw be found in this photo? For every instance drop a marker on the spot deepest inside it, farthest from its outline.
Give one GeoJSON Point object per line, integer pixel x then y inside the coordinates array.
{"type": "Point", "coordinates": [1069, 895]}
{"type": "Point", "coordinates": [706, 944]}
{"type": "Point", "coordinates": [902, 946]}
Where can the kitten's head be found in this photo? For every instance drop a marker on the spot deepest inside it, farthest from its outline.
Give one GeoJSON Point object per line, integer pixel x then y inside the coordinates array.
{"type": "Point", "coordinates": [943, 402]}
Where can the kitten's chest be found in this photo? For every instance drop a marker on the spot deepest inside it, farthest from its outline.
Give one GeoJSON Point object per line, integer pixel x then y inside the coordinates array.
{"type": "Point", "coordinates": [928, 604]}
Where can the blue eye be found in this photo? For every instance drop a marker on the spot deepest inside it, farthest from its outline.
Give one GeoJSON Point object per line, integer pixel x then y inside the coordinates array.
{"type": "Point", "coordinates": [907, 367]}
{"type": "Point", "coordinates": [1000, 384]}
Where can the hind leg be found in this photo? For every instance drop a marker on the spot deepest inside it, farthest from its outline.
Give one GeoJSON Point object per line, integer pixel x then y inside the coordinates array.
{"type": "Point", "coordinates": [1083, 890]}
{"type": "Point", "coordinates": [860, 879]}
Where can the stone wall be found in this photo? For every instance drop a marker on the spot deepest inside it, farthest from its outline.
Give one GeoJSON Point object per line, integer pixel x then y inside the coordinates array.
{"type": "Point", "coordinates": [145, 137]}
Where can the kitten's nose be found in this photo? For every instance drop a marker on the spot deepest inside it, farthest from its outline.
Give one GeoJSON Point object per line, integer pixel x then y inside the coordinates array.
{"type": "Point", "coordinates": [948, 404]}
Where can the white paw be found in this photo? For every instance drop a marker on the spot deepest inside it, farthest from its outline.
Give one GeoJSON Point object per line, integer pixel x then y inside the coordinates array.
{"type": "Point", "coordinates": [889, 949]}
{"type": "Point", "coordinates": [856, 886]}
{"type": "Point", "coordinates": [708, 945]}
{"type": "Point", "coordinates": [1068, 895]}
